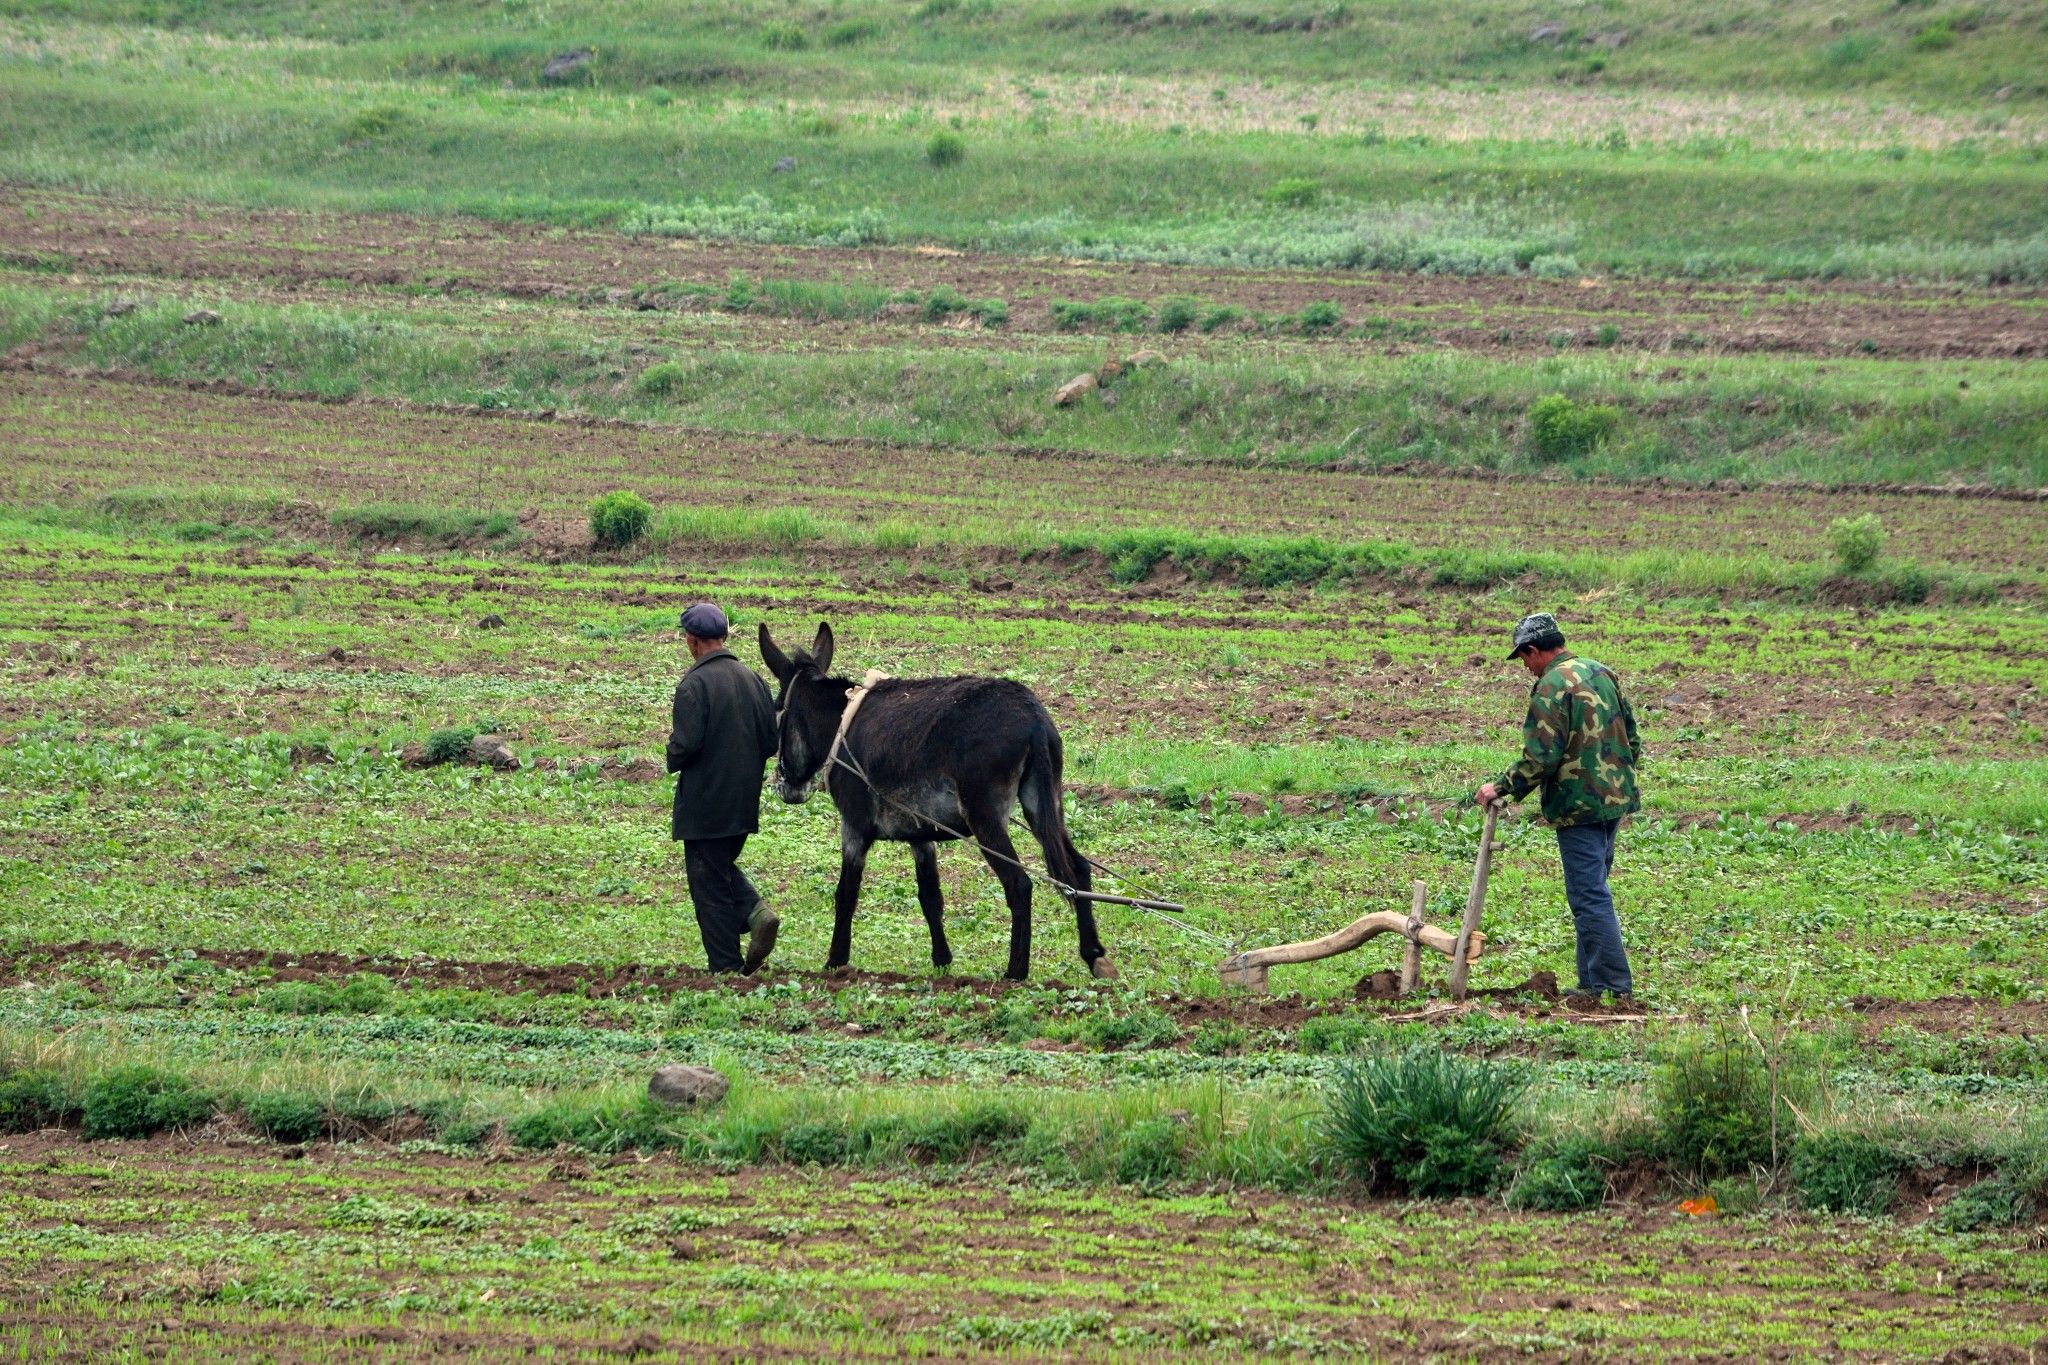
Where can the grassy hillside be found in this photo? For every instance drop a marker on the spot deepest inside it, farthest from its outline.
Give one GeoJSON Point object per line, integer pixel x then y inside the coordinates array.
{"type": "Point", "coordinates": [1916, 49]}
{"type": "Point", "coordinates": [1192, 135]}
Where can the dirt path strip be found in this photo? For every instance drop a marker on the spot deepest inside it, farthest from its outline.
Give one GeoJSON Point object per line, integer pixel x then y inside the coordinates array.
{"type": "Point", "coordinates": [1538, 997]}
{"type": "Point", "coordinates": [87, 236]}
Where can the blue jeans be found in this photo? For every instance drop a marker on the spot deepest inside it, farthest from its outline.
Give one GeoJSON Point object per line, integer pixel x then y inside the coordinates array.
{"type": "Point", "coordinates": [1587, 852]}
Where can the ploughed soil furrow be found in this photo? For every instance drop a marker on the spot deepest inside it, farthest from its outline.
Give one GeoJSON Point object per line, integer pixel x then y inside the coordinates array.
{"type": "Point", "coordinates": [1536, 997]}
{"type": "Point", "coordinates": [72, 440]}
{"type": "Point", "coordinates": [88, 236]}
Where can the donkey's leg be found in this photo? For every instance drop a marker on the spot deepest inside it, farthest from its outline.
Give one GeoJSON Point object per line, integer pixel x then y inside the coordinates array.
{"type": "Point", "coordinates": [988, 828]}
{"type": "Point", "coordinates": [1041, 803]}
{"type": "Point", "coordinates": [931, 899]}
{"type": "Point", "coordinates": [853, 860]}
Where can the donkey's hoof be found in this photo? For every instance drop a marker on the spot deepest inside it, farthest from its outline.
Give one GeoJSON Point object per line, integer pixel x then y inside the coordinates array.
{"type": "Point", "coordinates": [1103, 968]}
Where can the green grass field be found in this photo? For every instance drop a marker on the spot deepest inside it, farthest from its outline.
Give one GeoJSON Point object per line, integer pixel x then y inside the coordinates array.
{"type": "Point", "coordinates": [1718, 333]}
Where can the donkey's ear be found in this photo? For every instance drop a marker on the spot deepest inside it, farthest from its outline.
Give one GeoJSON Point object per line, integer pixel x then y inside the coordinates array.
{"type": "Point", "coordinates": [778, 662]}
{"type": "Point", "coordinates": [821, 648]}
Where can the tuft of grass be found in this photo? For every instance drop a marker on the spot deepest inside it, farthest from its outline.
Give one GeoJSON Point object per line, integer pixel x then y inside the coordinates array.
{"type": "Point", "coordinates": [945, 148]}
{"type": "Point", "coordinates": [285, 1116]}
{"type": "Point", "coordinates": [35, 1098]}
{"type": "Point", "coordinates": [1839, 1172]}
{"type": "Point", "coordinates": [780, 528]}
{"type": "Point", "coordinates": [1561, 428]}
{"type": "Point", "coordinates": [1857, 541]}
{"type": "Point", "coordinates": [1424, 1122]}
{"type": "Point", "coordinates": [1725, 1108]}
{"type": "Point", "coordinates": [619, 519]}
{"type": "Point", "coordinates": [1564, 1178]}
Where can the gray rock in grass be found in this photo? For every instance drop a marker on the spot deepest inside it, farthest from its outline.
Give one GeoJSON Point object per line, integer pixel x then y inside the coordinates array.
{"type": "Point", "coordinates": [202, 317]}
{"type": "Point", "coordinates": [492, 750]}
{"type": "Point", "coordinates": [679, 1086]}
{"type": "Point", "coordinates": [563, 64]}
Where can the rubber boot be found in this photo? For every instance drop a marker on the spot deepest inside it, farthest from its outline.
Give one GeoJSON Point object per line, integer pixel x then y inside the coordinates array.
{"type": "Point", "coordinates": [762, 927]}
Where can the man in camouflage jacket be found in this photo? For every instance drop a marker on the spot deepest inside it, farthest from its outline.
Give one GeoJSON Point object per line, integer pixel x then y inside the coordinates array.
{"type": "Point", "coordinates": [1579, 745]}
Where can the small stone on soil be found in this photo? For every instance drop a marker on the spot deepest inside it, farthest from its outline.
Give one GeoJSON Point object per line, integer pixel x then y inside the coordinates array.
{"type": "Point", "coordinates": [677, 1086]}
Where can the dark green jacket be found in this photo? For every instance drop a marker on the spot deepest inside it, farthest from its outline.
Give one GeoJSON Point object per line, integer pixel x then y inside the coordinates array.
{"type": "Point", "coordinates": [723, 736]}
{"type": "Point", "coordinates": [1579, 745]}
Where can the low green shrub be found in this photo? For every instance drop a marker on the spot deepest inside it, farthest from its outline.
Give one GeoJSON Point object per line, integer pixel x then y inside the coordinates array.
{"type": "Point", "coordinates": [1219, 1038]}
{"type": "Point", "coordinates": [1936, 36]}
{"type": "Point", "coordinates": [1997, 1202]}
{"type": "Point", "coordinates": [1112, 313]}
{"type": "Point", "coordinates": [1426, 1122]}
{"type": "Point", "coordinates": [1294, 193]}
{"type": "Point", "coordinates": [604, 1125]}
{"type": "Point", "coordinates": [1720, 1109]}
{"type": "Point", "coordinates": [944, 302]}
{"type": "Point", "coordinates": [664, 380]}
{"type": "Point", "coordinates": [1179, 313]}
{"type": "Point", "coordinates": [1146, 1026]}
{"type": "Point", "coordinates": [847, 32]}
{"type": "Point", "coordinates": [1857, 541]}
{"type": "Point", "coordinates": [1152, 1152]}
{"type": "Point", "coordinates": [1560, 428]}
{"type": "Point", "coordinates": [450, 744]}
{"type": "Point", "coordinates": [945, 148]}
{"type": "Point", "coordinates": [817, 1144]}
{"type": "Point", "coordinates": [1566, 1177]}
{"type": "Point", "coordinates": [34, 1099]}
{"type": "Point", "coordinates": [1220, 317]}
{"type": "Point", "coordinates": [1069, 315]}
{"type": "Point", "coordinates": [1320, 316]}
{"type": "Point", "coordinates": [620, 518]}
{"type": "Point", "coordinates": [379, 120]}
{"type": "Point", "coordinates": [976, 1127]}
{"type": "Point", "coordinates": [783, 36]}
{"type": "Point", "coordinates": [990, 312]}
{"type": "Point", "coordinates": [1327, 1034]}
{"type": "Point", "coordinates": [1846, 1173]}
{"type": "Point", "coordinates": [285, 1116]}
{"type": "Point", "coordinates": [135, 1101]}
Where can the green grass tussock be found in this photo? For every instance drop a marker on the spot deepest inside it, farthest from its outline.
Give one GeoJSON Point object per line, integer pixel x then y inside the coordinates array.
{"type": "Point", "coordinates": [1424, 1121]}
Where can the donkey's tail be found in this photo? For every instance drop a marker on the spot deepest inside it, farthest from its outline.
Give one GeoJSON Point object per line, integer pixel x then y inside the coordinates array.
{"type": "Point", "coordinates": [1039, 794]}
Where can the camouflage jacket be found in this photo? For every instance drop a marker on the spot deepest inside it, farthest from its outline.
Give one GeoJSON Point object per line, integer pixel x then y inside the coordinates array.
{"type": "Point", "coordinates": [1579, 745]}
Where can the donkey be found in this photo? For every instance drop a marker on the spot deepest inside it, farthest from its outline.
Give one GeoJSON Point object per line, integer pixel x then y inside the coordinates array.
{"type": "Point", "coordinates": [918, 761]}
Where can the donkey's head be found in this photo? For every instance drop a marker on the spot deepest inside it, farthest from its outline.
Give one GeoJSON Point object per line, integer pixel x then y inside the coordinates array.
{"type": "Point", "coordinates": [808, 705]}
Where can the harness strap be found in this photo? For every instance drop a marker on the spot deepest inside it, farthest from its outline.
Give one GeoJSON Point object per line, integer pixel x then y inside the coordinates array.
{"type": "Point", "coordinates": [853, 701]}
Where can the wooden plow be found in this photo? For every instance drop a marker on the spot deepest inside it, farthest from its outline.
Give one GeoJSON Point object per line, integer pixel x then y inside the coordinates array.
{"type": "Point", "coordinates": [1463, 948]}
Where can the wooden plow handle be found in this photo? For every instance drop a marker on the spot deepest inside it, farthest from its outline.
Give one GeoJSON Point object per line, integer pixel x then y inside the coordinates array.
{"type": "Point", "coordinates": [1475, 901]}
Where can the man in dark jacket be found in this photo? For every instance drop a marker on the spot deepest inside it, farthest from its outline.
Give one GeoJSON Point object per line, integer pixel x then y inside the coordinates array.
{"type": "Point", "coordinates": [1580, 748]}
{"type": "Point", "coordinates": [722, 738]}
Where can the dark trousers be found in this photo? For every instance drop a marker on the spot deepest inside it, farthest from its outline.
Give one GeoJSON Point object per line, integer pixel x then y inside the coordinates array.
{"type": "Point", "coordinates": [1588, 855]}
{"type": "Point", "coordinates": [722, 895]}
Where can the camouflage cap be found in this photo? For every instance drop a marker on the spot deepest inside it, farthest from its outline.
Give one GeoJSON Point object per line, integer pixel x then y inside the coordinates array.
{"type": "Point", "coordinates": [1532, 628]}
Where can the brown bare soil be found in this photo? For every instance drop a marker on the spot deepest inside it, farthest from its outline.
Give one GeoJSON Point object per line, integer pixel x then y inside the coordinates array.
{"type": "Point", "coordinates": [102, 237]}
